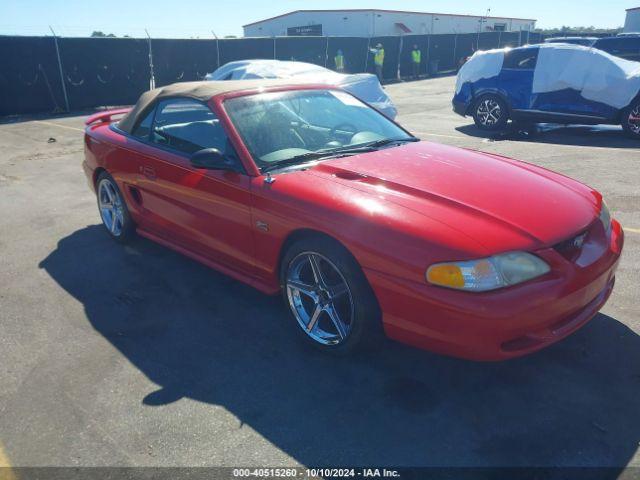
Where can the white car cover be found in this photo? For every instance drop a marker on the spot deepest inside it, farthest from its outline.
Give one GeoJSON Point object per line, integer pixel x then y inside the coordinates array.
{"type": "Point", "coordinates": [365, 86]}
{"type": "Point", "coordinates": [483, 64]}
{"type": "Point", "coordinates": [598, 76]}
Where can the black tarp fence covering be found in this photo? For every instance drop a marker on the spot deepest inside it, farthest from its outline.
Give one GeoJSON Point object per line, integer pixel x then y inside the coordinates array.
{"type": "Point", "coordinates": [246, 49]}
{"type": "Point", "coordinates": [115, 71]}
{"type": "Point", "coordinates": [183, 60]}
{"type": "Point", "coordinates": [354, 50]}
{"type": "Point", "coordinates": [104, 71]}
{"type": "Point", "coordinates": [465, 46]}
{"type": "Point", "coordinates": [302, 49]}
{"type": "Point", "coordinates": [391, 47]}
{"type": "Point", "coordinates": [29, 77]}
{"type": "Point", "coordinates": [406, 64]}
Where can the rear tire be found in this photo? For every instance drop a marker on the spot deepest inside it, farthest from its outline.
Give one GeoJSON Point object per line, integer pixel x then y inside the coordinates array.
{"type": "Point", "coordinates": [341, 296]}
{"type": "Point", "coordinates": [631, 120]}
{"type": "Point", "coordinates": [490, 113]}
{"type": "Point", "coordinates": [113, 209]}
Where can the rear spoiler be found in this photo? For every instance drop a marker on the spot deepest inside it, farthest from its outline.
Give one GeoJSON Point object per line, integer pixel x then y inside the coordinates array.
{"type": "Point", "coordinates": [105, 117]}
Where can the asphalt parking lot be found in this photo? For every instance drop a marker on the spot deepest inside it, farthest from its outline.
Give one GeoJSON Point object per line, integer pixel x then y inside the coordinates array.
{"type": "Point", "coordinates": [137, 356]}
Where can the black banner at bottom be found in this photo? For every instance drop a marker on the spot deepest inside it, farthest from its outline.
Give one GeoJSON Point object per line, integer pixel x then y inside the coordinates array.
{"type": "Point", "coordinates": [304, 473]}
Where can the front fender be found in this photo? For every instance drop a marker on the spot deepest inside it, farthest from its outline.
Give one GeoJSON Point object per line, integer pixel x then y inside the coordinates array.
{"type": "Point", "coordinates": [479, 92]}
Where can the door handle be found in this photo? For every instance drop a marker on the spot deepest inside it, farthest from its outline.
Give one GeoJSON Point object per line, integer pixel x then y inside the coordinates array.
{"type": "Point", "coordinates": [148, 172]}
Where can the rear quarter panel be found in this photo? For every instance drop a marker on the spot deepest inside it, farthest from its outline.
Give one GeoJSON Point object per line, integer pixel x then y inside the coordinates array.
{"type": "Point", "coordinates": [106, 148]}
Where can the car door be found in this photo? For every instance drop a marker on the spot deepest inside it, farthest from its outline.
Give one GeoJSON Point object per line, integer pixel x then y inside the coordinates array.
{"type": "Point", "coordinates": [575, 68]}
{"type": "Point", "coordinates": [516, 77]}
{"type": "Point", "coordinates": [206, 212]}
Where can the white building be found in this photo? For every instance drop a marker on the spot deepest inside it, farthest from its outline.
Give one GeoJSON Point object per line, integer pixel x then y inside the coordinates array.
{"type": "Point", "coordinates": [632, 22]}
{"type": "Point", "coordinates": [373, 23]}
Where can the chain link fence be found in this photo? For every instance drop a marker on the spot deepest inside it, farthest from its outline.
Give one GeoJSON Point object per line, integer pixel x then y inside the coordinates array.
{"type": "Point", "coordinates": [54, 74]}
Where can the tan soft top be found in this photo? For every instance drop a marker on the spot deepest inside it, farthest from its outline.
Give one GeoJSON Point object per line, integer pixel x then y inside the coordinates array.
{"type": "Point", "coordinates": [202, 91]}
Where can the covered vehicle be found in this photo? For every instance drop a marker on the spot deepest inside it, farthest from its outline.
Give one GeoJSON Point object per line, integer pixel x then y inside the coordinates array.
{"type": "Point", "coordinates": [584, 41]}
{"type": "Point", "coordinates": [623, 46]}
{"type": "Point", "coordinates": [557, 83]}
{"type": "Point", "coordinates": [365, 86]}
{"type": "Point", "coordinates": [304, 190]}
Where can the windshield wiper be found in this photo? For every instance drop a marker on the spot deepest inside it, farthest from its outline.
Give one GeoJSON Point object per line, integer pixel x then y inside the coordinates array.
{"type": "Point", "coordinates": [389, 141]}
{"type": "Point", "coordinates": [297, 160]}
{"type": "Point", "coordinates": [336, 152]}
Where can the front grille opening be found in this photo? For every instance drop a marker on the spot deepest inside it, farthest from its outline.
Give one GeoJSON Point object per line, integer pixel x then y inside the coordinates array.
{"type": "Point", "coordinates": [571, 248]}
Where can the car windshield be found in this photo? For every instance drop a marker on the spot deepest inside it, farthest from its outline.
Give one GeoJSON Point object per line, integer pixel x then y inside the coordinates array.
{"type": "Point", "coordinates": [294, 127]}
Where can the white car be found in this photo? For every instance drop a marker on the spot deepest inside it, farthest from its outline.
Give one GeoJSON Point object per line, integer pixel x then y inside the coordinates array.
{"type": "Point", "coordinates": [365, 86]}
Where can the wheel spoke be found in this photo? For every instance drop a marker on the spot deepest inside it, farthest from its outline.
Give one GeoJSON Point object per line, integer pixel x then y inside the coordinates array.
{"type": "Point", "coordinates": [337, 322]}
{"type": "Point", "coordinates": [105, 201]}
{"type": "Point", "coordinates": [317, 272]}
{"type": "Point", "coordinates": [314, 318]}
{"type": "Point", "coordinates": [308, 290]}
{"type": "Point", "coordinates": [320, 298]}
{"type": "Point", "coordinates": [338, 290]}
{"type": "Point", "coordinates": [110, 193]}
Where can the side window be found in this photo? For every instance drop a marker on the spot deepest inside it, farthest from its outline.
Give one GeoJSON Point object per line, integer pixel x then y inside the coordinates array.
{"type": "Point", "coordinates": [144, 127]}
{"type": "Point", "coordinates": [187, 125]}
{"type": "Point", "coordinates": [522, 59]}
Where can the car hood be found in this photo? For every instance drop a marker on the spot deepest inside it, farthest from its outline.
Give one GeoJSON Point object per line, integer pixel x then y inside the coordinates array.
{"type": "Point", "coordinates": [501, 203]}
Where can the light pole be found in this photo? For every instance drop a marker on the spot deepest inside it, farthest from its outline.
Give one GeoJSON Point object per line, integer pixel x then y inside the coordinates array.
{"type": "Point", "coordinates": [480, 22]}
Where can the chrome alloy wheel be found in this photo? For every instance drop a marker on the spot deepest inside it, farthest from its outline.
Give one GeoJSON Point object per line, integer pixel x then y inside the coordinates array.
{"type": "Point", "coordinates": [633, 120]}
{"type": "Point", "coordinates": [489, 112]}
{"type": "Point", "coordinates": [319, 298]}
{"type": "Point", "coordinates": [111, 208]}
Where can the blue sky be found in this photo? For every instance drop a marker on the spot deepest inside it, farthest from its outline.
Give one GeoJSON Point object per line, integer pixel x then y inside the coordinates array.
{"type": "Point", "coordinates": [197, 18]}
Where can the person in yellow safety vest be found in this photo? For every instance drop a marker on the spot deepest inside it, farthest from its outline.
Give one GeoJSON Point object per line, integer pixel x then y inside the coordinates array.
{"type": "Point", "coordinates": [416, 57]}
{"type": "Point", "coordinates": [339, 60]}
{"type": "Point", "coordinates": [378, 59]}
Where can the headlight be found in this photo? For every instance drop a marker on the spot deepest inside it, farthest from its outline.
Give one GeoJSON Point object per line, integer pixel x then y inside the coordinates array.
{"type": "Point", "coordinates": [605, 218]}
{"type": "Point", "coordinates": [487, 273]}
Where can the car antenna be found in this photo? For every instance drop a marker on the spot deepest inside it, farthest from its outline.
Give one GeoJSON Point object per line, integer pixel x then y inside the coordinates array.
{"type": "Point", "coordinates": [269, 179]}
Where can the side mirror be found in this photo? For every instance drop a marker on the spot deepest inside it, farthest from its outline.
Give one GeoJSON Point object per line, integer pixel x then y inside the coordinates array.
{"type": "Point", "coordinates": [212, 159]}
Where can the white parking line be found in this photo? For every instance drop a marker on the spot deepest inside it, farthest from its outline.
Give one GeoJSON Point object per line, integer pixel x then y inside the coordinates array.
{"type": "Point", "coordinates": [6, 472]}
{"type": "Point", "coordinates": [58, 125]}
{"type": "Point", "coordinates": [634, 230]}
{"type": "Point", "coordinates": [441, 135]}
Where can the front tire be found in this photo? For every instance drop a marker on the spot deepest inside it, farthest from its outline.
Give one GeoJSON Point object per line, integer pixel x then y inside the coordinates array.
{"type": "Point", "coordinates": [329, 297]}
{"type": "Point", "coordinates": [631, 119]}
{"type": "Point", "coordinates": [490, 113]}
{"type": "Point", "coordinates": [113, 209]}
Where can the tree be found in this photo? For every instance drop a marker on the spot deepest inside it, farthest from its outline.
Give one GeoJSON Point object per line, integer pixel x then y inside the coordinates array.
{"type": "Point", "coordinates": [99, 34]}
{"type": "Point", "coordinates": [569, 31]}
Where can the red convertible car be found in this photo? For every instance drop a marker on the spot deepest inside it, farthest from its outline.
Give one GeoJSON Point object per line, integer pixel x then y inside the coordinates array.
{"type": "Point", "coordinates": [365, 229]}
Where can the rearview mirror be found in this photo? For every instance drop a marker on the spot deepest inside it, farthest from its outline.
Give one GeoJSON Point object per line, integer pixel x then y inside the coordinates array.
{"type": "Point", "coordinates": [212, 159]}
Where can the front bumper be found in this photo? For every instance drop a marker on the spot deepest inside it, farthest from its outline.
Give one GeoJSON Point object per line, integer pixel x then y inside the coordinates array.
{"type": "Point", "coordinates": [504, 323]}
{"type": "Point", "coordinates": [459, 107]}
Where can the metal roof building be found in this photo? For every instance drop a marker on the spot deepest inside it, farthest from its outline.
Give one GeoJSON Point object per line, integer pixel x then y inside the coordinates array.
{"type": "Point", "coordinates": [374, 22]}
{"type": "Point", "coordinates": [632, 21]}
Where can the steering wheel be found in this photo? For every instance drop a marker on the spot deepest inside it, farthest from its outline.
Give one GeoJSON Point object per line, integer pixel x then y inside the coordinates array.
{"type": "Point", "coordinates": [346, 127]}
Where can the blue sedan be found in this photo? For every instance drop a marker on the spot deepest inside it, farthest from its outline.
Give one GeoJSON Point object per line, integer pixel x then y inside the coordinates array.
{"type": "Point", "coordinates": [566, 84]}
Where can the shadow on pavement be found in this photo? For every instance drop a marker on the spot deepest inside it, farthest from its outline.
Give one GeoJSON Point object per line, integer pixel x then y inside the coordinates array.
{"type": "Point", "coordinates": [578, 135]}
{"type": "Point", "coordinates": [201, 335]}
